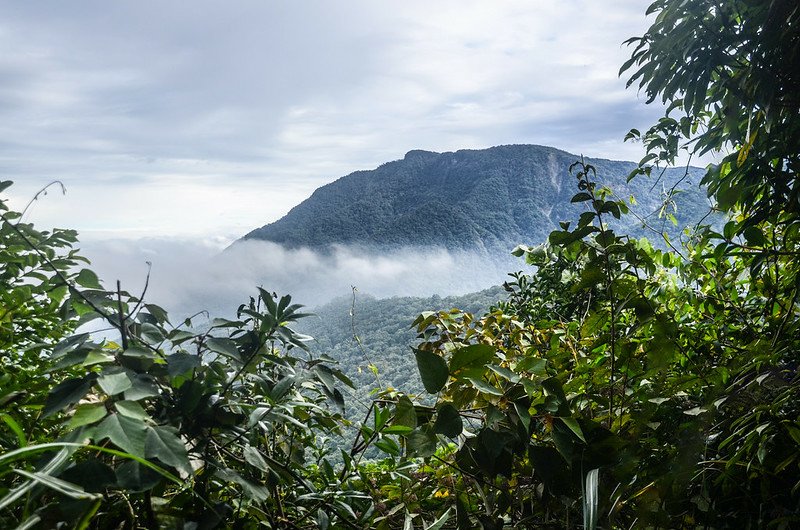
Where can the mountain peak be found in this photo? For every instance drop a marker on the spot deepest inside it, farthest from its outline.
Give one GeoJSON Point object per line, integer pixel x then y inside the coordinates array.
{"type": "Point", "coordinates": [490, 199]}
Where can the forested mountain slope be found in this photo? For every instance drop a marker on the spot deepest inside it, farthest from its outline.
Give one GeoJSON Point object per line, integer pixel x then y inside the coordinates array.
{"type": "Point", "coordinates": [491, 198]}
{"type": "Point", "coordinates": [383, 328]}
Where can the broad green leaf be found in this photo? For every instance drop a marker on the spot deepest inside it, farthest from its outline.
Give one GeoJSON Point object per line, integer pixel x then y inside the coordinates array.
{"type": "Point", "coordinates": [87, 278]}
{"type": "Point", "coordinates": [135, 477]}
{"type": "Point", "coordinates": [131, 409]}
{"type": "Point", "coordinates": [532, 365]}
{"type": "Point", "coordinates": [223, 346]}
{"type": "Point", "coordinates": [90, 474]}
{"type": "Point", "coordinates": [180, 363]}
{"type": "Point", "coordinates": [484, 387]}
{"type": "Point", "coordinates": [405, 415]}
{"type": "Point", "coordinates": [389, 446]}
{"type": "Point", "coordinates": [448, 421]}
{"type": "Point", "coordinates": [65, 394]}
{"type": "Point", "coordinates": [87, 414]}
{"type": "Point", "coordinates": [432, 370]}
{"type": "Point", "coordinates": [126, 433]}
{"type": "Point", "coordinates": [574, 427]}
{"type": "Point", "coordinates": [253, 457]}
{"type": "Point", "coordinates": [114, 382]}
{"type": "Point", "coordinates": [142, 386]}
{"type": "Point", "coordinates": [504, 372]}
{"type": "Point", "coordinates": [421, 442]}
{"type": "Point", "coordinates": [97, 357]}
{"type": "Point", "coordinates": [473, 355]}
{"type": "Point", "coordinates": [163, 442]}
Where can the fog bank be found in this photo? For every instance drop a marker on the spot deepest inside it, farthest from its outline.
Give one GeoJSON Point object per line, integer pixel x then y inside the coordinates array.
{"type": "Point", "coordinates": [188, 276]}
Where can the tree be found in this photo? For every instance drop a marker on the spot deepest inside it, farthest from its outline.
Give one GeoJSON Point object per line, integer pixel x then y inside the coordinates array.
{"type": "Point", "coordinates": [669, 380]}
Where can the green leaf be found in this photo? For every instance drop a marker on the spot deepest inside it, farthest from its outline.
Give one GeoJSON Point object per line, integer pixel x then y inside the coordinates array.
{"type": "Point", "coordinates": [114, 382]}
{"type": "Point", "coordinates": [97, 357]}
{"type": "Point", "coordinates": [14, 426]}
{"type": "Point", "coordinates": [439, 523]}
{"type": "Point", "coordinates": [574, 427]}
{"type": "Point", "coordinates": [253, 457]}
{"type": "Point", "coordinates": [448, 421]}
{"type": "Point", "coordinates": [91, 474]}
{"type": "Point", "coordinates": [126, 433]}
{"type": "Point", "coordinates": [405, 414]}
{"type": "Point", "coordinates": [532, 365]}
{"type": "Point", "coordinates": [484, 387]}
{"type": "Point", "coordinates": [180, 363]}
{"type": "Point", "coordinates": [163, 442]}
{"type": "Point", "coordinates": [224, 347]}
{"type": "Point", "coordinates": [142, 386]}
{"type": "Point", "coordinates": [432, 370]}
{"type": "Point", "coordinates": [473, 355]}
{"type": "Point", "coordinates": [65, 394]}
{"type": "Point", "coordinates": [87, 414]}
{"type": "Point", "coordinates": [135, 477]}
{"type": "Point", "coordinates": [421, 442]}
{"type": "Point", "coordinates": [87, 278]}
{"type": "Point", "coordinates": [131, 409]}
{"type": "Point", "coordinates": [581, 197]}
{"type": "Point", "coordinates": [61, 486]}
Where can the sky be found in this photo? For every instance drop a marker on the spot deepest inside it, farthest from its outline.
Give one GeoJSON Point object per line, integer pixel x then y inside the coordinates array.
{"type": "Point", "coordinates": [204, 120]}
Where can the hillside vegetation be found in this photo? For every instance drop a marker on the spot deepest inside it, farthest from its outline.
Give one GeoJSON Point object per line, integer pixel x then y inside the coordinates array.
{"type": "Point", "coordinates": [619, 385]}
{"type": "Point", "coordinates": [490, 199]}
{"type": "Point", "coordinates": [364, 332]}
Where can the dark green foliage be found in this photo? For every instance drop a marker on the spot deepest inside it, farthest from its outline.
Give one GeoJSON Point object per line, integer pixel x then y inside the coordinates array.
{"type": "Point", "coordinates": [490, 199]}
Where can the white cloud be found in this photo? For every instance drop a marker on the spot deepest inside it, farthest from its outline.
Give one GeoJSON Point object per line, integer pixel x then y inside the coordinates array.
{"type": "Point", "coordinates": [189, 275]}
{"type": "Point", "coordinates": [217, 118]}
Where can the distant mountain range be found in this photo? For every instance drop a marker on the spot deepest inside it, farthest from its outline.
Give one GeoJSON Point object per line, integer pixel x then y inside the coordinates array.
{"type": "Point", "coordinates": [490, 199]}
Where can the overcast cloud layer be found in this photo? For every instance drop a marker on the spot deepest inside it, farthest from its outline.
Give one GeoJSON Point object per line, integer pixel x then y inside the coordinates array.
{"type": "Point", "coordinates": [209, 118]}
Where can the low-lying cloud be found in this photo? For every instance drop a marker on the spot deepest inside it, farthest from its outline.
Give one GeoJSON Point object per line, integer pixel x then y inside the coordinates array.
{"type": "Point", "coordinates": [188, 276]}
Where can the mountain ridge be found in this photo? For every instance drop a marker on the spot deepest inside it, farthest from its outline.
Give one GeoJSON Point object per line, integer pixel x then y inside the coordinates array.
{"type": "Point", "coordinates": [490, 198]}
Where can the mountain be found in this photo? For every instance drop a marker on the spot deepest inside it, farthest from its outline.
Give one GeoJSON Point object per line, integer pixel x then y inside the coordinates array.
{"type": "Point", "coordinates": [491, 198]}
{"type": "Point", "coordinates": [385, 335]}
